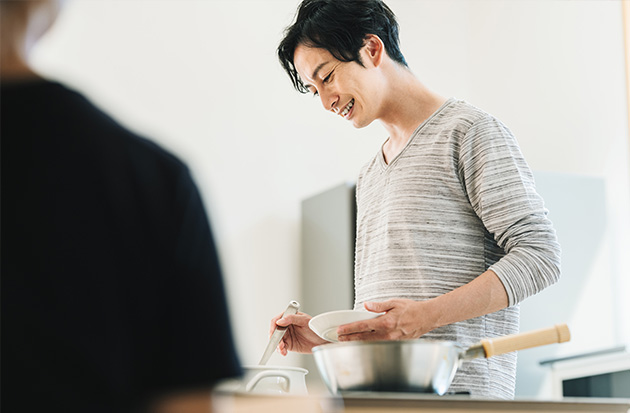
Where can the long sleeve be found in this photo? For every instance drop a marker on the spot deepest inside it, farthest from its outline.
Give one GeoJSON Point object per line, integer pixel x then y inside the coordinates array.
{"type": "Point", "coordinates": [501, 190]}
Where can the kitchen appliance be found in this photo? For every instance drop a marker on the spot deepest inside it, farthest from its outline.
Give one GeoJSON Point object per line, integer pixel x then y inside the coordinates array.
{"type": "Point", "coordinates": [601, 373]}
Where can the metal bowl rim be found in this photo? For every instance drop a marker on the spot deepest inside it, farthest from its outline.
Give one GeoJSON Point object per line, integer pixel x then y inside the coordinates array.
{"type": "Point", "coordinates": [396, 343]}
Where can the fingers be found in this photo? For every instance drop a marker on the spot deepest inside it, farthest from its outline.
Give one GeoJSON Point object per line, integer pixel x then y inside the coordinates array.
{"type": "Point", "coordinates": [299, 319]}
{"type": "Point", "coordinates": [365, 336]}
{"type": "Point", "coordinates": [370, 336]}
{"type": "Point", "coordinates": [272, 325]}
{"type": "Point", "coordinates": [354, 328]}
{"type": "Point", "coordinates": [379, 307]}
{"type": "Point", "coordinates": [382, 322]}
{"type": "Point", "coordinates": [282, 348]}
{"type": "Point", "coordinates": [402, 320]}
{"type": "Point", "coordinates": [380, 328]}
{"type": "Point", "coordinates": [368, 331]}
{"type": "Point", "coordinates": [298, 334]}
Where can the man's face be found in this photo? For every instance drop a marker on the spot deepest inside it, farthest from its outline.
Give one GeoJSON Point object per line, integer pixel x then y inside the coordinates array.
{"type": "Point", "coordinates": [345, 88]}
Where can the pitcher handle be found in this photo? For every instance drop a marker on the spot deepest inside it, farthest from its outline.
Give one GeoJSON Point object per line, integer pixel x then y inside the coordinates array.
{"type": "Point", "coordinates": [263, 374]}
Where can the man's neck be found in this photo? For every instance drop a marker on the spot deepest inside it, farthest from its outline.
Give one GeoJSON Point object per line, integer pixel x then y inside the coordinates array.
{"type": "Point", "coordinates": [409, 103]}
{"type": "Point", "coordinates": [13, 68]}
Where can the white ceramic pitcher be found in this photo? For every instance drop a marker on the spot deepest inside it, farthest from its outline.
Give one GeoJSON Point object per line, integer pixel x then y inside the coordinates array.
{"type": "Point", "coordinates": [274, 380]}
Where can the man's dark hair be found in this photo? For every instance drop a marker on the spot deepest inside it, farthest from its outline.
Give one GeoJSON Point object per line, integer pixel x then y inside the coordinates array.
{"type": "Point", "coordinates": [341, 27]}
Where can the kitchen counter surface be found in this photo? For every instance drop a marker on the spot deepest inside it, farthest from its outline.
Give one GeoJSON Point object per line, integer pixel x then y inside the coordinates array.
{"type": "Point", "coordinates": [428, 403]}
{"type": "Point", "coordinates": [407, 403]}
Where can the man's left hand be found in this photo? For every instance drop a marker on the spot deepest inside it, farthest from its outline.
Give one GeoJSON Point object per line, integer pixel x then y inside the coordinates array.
{"type": "Point", "coordinates": [403, 319]}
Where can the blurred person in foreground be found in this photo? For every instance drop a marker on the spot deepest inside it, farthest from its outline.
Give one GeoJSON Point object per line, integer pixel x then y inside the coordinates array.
{"type": "Point", "coordinates": [451, 233]}
{"type": "Point", "coordinates": [112, 296]}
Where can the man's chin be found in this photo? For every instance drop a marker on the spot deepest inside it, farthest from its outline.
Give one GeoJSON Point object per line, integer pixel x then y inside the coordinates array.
{"type": "Point", "coordinates": [360, 125]}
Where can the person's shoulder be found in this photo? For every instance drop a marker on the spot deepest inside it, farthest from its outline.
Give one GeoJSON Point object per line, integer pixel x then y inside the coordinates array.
{"type": "Point", "coordinates": [41, 92]}
{"type": "Point", "coordinates": [471, 120]}
{"type": "Point", "coordinates": [464, 112]}
{"type": "Point", "coordinates": [77, 123]}
{"type": "Point", "coordinates": [145, 147]}
{"type": "Point", "coordinates": [107, 132]}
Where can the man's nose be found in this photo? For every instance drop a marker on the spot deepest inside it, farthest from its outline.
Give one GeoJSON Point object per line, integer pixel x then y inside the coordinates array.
{"type": "Point", "coordinates": [329, 100]}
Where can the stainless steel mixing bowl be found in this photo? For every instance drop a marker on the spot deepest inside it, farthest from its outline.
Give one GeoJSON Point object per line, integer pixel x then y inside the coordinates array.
{"type": "Point", "coordinates": [414, 365]}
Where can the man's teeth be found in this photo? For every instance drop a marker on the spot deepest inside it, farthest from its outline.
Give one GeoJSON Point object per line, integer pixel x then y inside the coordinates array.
{"type": "Point", "coordinates": [345, 110]}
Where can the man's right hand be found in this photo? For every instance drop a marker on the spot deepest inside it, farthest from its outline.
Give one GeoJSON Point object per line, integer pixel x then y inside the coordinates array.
{"type": "Point", "coordinates": [298, 337]}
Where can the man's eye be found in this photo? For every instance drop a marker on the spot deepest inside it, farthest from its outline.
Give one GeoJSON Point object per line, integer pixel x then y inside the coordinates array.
{"type": "Point", "coordinates": [316, 93]}
{"type": "Point", "coordinates": [327, 78]}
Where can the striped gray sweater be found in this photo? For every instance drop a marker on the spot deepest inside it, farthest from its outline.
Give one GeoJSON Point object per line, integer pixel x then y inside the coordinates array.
{"type": "Point", "coordinates": [458, 200]}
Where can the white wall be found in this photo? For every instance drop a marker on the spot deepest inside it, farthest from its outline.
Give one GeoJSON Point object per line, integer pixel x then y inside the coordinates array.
{"type": "Point", "coordinates": [202, 79]}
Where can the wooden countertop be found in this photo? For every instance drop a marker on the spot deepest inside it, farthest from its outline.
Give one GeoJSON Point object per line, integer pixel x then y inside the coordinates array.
{"type": "Point", "coordinates": [406, 403]}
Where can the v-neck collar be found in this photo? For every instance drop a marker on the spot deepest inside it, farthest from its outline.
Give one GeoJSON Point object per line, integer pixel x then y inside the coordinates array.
{"type": "Point", "coordinates": [381, 155]}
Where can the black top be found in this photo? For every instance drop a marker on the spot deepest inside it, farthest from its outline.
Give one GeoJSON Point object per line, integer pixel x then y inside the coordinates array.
{"type": "Point", "coordinates": [111, 287]}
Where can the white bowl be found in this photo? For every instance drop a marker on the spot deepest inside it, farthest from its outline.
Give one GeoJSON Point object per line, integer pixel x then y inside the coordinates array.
{"type": "Point", "coordinates": [325, 325]}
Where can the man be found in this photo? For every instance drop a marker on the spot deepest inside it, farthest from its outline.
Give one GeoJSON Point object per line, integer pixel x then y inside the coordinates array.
{"type": "Point", "coordinates": [451, 234]}
{"type": "Point", "coordinates": [112, 296]}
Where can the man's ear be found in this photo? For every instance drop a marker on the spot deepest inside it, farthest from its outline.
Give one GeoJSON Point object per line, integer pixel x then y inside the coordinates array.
{"type": "Point", "coordinates": [373, 50]}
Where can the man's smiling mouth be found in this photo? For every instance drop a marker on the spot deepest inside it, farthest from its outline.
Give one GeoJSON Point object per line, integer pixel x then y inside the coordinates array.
{"type": "Point", "coordinates": [345, 110]}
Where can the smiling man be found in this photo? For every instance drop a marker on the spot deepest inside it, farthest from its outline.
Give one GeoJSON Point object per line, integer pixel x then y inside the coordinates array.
{"type": "Point", "coordinates": [451, 234]}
